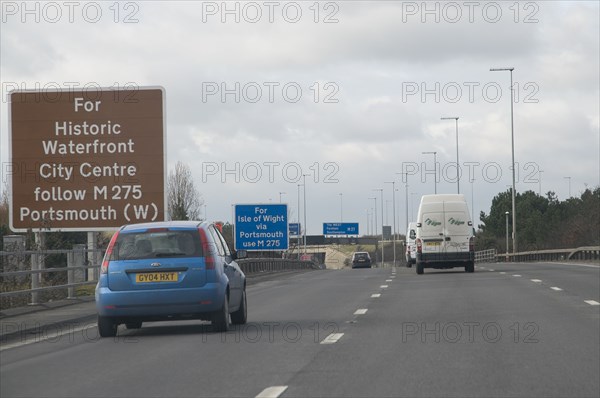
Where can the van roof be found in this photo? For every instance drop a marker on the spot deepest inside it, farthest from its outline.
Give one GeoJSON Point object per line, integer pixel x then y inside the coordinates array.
{"type": "Point", "coordinates": [443, 198]}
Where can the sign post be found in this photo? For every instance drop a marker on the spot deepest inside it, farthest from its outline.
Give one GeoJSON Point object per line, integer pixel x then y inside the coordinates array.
{"type": "Point", "coordinates": [86, 160]}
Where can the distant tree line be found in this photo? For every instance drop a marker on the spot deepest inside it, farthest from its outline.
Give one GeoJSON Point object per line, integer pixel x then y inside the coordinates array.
{"type": "Point", "coordinates": [542, 222]}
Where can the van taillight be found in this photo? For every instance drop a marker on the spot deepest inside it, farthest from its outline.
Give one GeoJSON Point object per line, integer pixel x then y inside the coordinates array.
{"type": "Point", "coordinates": [109, 250]}
{"type": "Point", "coordinates": [209, 259]}
{"type": "Point", "coordinates": [471, 244]}
{"type": "Point", "coordinates": [419, 246]}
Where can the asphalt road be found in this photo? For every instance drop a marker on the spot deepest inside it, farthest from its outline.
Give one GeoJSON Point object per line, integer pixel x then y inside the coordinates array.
{"type": "Point", "coordinates": [444, 333]}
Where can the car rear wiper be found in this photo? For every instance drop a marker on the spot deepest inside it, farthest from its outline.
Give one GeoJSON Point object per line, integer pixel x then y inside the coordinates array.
{"type": "Point", "coordinates": [169, 254]}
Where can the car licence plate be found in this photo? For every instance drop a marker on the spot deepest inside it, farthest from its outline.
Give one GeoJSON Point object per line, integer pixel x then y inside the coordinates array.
{"type": "Point", "coordinates": [432, 243]}
{"type": "Point", "coordinates": [156, 277]}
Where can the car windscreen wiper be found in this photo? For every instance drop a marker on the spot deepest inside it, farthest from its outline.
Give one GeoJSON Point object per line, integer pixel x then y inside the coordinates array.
{"type": "Point", "coordinates": [169, 254]}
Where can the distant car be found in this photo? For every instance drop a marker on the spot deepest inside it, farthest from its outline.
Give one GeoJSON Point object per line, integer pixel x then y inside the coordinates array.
{"type": "Point", "coordinates": [361, 260]}
{"type": "Point", "coordinates": [169, 271]}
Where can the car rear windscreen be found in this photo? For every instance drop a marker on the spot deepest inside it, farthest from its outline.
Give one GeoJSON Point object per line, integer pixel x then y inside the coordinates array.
{"type": "Point", "coordinates": [154, 244]}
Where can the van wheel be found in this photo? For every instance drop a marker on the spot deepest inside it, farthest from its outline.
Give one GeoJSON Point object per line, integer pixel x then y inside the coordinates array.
{"type": "Point", "coordinates": [106, 327]}
{"type": "Point", "coordinates": [220, 319]}
{"type": "Point", "coordinates": [240, 317]}
{"type": "Point", "coordinates": [420, 268]}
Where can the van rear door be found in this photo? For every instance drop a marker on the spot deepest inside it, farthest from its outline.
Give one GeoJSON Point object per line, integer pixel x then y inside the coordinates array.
{"type": "Point", "coordinates": [432, 231]}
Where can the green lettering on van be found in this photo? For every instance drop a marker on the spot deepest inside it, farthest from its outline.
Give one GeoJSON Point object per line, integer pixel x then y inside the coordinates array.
{"type": "Point", "coordinates": [429, 221]}
{"type": "Point", "coordinates": [455, 222]}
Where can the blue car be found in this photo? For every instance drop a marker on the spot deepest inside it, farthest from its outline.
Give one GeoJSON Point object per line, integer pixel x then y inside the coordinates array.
{"type": "Point", "coordinates": [169, 271]}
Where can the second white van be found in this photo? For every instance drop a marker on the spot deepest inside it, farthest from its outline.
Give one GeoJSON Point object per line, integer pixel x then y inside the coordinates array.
{"type": "Point", "coordinates": [411, 248]}
{"type": "Point", "coordinates": [444, 233]}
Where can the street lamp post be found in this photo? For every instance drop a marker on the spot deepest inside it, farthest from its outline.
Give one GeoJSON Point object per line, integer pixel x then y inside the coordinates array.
{"type": "Point", "coordinates": [434, 169]}
{"type": "Point", "coordinates": [512, 141]}
{"type": "Point", "coordinates": [507, 213]}
{"type": "Point", "coordinates": [394, 213]}
{"type": "Point", "coordinates": [382, 254]}
{"type": "Point", "coordinates": [299, 226]}
{"type": "Point", "coordinates": [540, 183]}
{"type": "Point", "coordinates": [281, 193]}
{"type": "Point", "coordinates": [375, 216]}
{"type": "Point", "coordinates": [305, 226]}
{"type": "Point", "coordinates": [457, 164]}
{"type": "Point", "coordinates": [406, 196]}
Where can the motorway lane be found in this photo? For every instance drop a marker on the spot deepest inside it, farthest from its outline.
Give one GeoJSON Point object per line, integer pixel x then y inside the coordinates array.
{"type": "Point", "coordinates": [444, 333]}
{"type": "Point", "coordinates": [580, 280]}
{"type": "Point", "coordinates": [288, 319]}
{"type": "Point", "coordinates": [447, 333]}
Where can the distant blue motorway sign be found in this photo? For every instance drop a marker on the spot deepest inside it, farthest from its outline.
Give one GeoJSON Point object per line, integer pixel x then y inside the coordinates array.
{"type": "Point", "coordinates": [261, 227]}
{"type": "Point", "coordinates": [294, 229]}
{"type": "Point", "coordinates": [337, 228]}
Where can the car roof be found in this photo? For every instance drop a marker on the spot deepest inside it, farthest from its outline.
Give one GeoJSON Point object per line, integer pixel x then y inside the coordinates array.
{"type": "Point", "coordinates": [165, 224]}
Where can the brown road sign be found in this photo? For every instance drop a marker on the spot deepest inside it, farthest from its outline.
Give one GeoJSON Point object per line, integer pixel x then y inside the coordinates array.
{"type": "Point", "coordinates": [86, 160]}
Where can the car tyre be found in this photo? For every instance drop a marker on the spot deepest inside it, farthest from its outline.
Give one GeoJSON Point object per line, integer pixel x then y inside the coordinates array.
{"type": "Point", "coordinates": [240, 317]}
{"type": "Point", "coordinates": [106, 327]}
{"type": "Point", "coordinates": [420, 268]}
{"type": "Point", "coordinates": [470, 267]}
{"type": "Point", "coordinates": [220, 320]}
{"type": "Point", "coordinates": [133, 325]}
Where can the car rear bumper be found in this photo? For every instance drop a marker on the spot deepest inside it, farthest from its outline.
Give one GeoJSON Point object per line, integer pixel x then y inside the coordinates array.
{"type": "Point", "coordinates": [159, 303]}
{"type": "Point", "coordinates": [445, 260]}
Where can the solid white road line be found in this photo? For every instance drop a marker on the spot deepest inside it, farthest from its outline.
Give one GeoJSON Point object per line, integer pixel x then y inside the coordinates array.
{"type": "Point", "coordinates": [37, 338]}
{"type": "Point", "coordinates": [592, 302]}
{"type": "Point", "coordinates": [332, 338]}
{"type": "Point", "coordinates": [376, 295]}
{"type": "Point", "coordinates": [272, 392]}
{"type": "Point", "coordinates": [558, 289]}
{"type": "Point", "coordinates": [361, 311]}
{"type": "Point", "coordinates": [536, 280]}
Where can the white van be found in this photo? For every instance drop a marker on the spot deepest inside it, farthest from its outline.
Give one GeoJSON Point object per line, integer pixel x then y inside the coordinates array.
{"type": "Point", "coordinates": [411, 247]}
{"type": "Point", "coordinates": [444, 233]}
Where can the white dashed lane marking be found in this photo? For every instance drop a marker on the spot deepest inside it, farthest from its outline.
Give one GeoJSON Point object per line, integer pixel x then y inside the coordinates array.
{"type": "Point", "coordinates": [361, 311]}
{"type": "Point", "coordinates": [376, 295]}
{"type": "Point", "coordinates": [558, 289]}
{"type": "Point", "coordinates": [332, 338]}
{"type": "Point", "coordinates": [536, 280]}
{"type": "Point", "coordinates": [592, 302]}
{"type": "Point", "coordinates": [272, 392]}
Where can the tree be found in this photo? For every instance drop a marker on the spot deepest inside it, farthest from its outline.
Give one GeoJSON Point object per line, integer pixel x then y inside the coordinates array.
{"type": "Point", "coordinates": [184, 200]}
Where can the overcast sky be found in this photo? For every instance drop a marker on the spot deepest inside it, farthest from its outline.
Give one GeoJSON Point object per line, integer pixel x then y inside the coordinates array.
{"type": "Point", "coordinates": [349, 92]}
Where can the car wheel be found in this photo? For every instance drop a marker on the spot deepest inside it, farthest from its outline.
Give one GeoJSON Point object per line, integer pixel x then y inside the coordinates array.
{"type": "Point", "coordinates": [420, 268]}
{"type": "Point", "coordinates": [106, 327]}
{"type": "Point", "coordinates": [470, 267]}
{"type": "Point", "coordinates": [220, 320]}
{"type": "Point", "coordinates": [241, 315]}
{"type": "Point", "coordinates": [133, 325]}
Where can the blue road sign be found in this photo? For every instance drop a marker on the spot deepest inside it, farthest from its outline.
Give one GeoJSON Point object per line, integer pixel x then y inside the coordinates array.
{"type": "Point", "coordinates": [261, 227]}
{"type": "Point", "coordinates": [294, 229]}
{"type": "Point", "coordinates": [338, 228]}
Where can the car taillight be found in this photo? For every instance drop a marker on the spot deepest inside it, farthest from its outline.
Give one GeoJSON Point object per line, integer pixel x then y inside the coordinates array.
{"type": "Point", "coordinates": [109, 250]}
{"type": "Point", "coordinates": [419, 246]}
{"type": "Point", "coordinates": [471, 244]}
{"type": "Point", "coordinates": [209, 259]}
